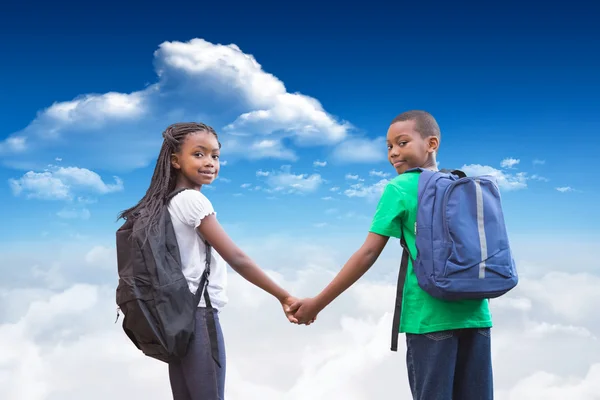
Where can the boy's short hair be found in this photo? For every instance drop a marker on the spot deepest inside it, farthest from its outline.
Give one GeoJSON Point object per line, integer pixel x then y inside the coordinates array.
{"type": "Point", "coordinates": [425, 124]}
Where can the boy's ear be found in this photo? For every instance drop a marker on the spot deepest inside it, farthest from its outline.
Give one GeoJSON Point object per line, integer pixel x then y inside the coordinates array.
{"type": "Point", "coordinates": [175, 161]}
{"type": "Point", "coordinates": [434, 144]}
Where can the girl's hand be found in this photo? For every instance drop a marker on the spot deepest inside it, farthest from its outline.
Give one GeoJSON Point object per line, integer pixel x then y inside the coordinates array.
{"type": "Point", "coordinates": [286, 303]}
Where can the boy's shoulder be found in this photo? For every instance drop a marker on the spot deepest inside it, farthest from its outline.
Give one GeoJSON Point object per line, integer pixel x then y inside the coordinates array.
{"type": "Point", "coordinates": [405, 181]}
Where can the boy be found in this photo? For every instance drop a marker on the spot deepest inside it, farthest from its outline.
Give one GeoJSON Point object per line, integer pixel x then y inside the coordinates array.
{"type": "Point", "coordinates": [448, 342]}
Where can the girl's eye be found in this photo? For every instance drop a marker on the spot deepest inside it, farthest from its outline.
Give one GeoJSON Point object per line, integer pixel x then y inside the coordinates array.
{"type": "Point", "coordinates": [216, 157]}
{"type": "Point", "coordinates": [197, 154]}
{"type": "Point", "coordinates": [402, 143]}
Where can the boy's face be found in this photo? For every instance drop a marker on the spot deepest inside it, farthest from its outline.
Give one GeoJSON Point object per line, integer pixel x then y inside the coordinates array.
{"type": "Point", "coordinates": [407, 149]}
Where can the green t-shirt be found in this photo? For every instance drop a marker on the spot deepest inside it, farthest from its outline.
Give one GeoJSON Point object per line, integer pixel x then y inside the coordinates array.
{"type": "Point", "coordinates": [421, 313]}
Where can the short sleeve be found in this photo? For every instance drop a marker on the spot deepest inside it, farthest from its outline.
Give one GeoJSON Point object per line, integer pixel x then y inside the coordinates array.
{"type": "Point", "coordinates": [190, 207]}
{"type": "Point", "coordinates": [390, 212]}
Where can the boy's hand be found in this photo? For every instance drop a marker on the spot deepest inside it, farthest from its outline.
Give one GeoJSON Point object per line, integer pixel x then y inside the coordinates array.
{"type": "Point", "coordinates": [305, 311]}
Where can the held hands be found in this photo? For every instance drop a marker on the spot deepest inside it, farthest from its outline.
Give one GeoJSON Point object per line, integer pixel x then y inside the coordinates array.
{"type": "Point", "coordinates": [304, 311]}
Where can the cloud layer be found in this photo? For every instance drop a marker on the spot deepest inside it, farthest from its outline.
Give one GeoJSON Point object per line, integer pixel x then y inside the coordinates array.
{"type": "Point", "coordinates": [64, 345]}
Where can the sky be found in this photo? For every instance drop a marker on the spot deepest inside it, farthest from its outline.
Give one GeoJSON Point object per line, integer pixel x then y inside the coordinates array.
{"type": "Point", "coordinates": [301, 97]}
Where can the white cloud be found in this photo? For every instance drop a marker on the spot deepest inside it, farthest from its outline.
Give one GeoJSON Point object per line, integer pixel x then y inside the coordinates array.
{"type": "Point", "coordinates": [335, 189]}
{"type": "Point", "coordinates": [318, 163]}
{"type": "Point", "coordinates": [539, 162]}
{"type": "Point", "coordinates": [60, 183]}
{"type": "Point", "coordinates": [536, 177]}
{"type": "Point", "coordinates": [565, 189]}
{"type": "Point", "coordinates": [371, 192]}
{"type": "Point", "coordinates": [102, 257]}
{"type": "Point", "coordinates": [245, 185]}
{"type": "Point", "coordinates": [15, 144]}
{"type": "Point", "coordinates": [380, 174]}
{"type": "Point", "coordinates": [301, 183]}
{"type": "Point", "coordinates": [262, 173]}
{"type": "Point", "coordinates": [509, 162]}
{"type": "Point", "coordinates": [545, 386]}
{"type": "Point", "coordinates": [224, 180]}
{"type": "Point", "coordinates": [270, 148]}
{"type": "Point", "coordinates": [250, 108]}
{"type": "Point", "coordinates": [351, 177]}
{"type": "Point", "coordinates": [505, 180]}
{"type": "Point", "coordinates": [272, 108]}
{"type": "Point", "coordinates": [360, 150]}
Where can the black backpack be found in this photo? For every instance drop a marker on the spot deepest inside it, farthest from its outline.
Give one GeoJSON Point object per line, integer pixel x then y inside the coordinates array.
{"type": "Point", "coordinates": [159, 308]}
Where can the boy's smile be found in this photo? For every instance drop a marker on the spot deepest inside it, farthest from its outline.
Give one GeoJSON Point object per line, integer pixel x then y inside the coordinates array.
{"type": "Point", "coordinates": [408, 149]}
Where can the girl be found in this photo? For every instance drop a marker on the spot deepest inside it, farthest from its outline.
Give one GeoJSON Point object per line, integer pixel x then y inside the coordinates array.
{"type": "Point", "coordinates": [189, 158]}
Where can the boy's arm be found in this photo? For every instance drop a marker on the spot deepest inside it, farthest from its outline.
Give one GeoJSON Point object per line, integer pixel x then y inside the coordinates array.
{"type": "Point", "coordinates": [355, 267]}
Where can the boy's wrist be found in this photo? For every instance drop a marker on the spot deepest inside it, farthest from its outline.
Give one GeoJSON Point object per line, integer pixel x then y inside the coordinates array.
{"type": "Point", "coordinates": [320, 302]}
{"type": "Point", "coordinates": [282, 296]}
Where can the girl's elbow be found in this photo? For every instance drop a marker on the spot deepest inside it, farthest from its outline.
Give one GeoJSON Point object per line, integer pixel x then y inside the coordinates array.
{"type": "Point", "coordinates": [238, 260]}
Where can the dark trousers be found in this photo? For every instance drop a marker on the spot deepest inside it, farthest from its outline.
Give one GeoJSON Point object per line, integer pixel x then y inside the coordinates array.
{"type": "Point", "coordinates": [450, 365]}
{"type": "Point", "coordinates": [196, 376]}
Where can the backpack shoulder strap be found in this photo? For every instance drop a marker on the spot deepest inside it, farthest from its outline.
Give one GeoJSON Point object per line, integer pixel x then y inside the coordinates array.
{"type": "Point", "coordinates": [399, 293]}
{"type": "Point", "coordinates": [175, 193]}
{"type": "Point", "coordinates": [456, 172]}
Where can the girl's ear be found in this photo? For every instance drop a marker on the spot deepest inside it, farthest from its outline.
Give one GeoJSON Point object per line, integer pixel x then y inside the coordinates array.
{"type": "Point", "coordinates": [433, 144]}
{"type": "Point", "coordinates": [175, 161]}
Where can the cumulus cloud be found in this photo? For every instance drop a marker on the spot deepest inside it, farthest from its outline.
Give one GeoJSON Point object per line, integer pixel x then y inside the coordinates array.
{"type": "Point", "coordinates": [197, 80]}
{"type": "Point", "coordinates": [285, 181]}
{"type": "Point", "coordinates": [506, 181]}
{"type": "Point", "coordinates": [262, 173]}
{"type": "Point", "coordinates": [509, 162]}
{"type": "Point", "coordinates": [318, 163]}
{"type": "Point", "coordinates": [370, 192]}
{"type": "Point", "coordinates": [380, 174]}
{"type": "Point", "coordinates": [565, 189]}
{"type": "Point", "coordinates": [61, 183]}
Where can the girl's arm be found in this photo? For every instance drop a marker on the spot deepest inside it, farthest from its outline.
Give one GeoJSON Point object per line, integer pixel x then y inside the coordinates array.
{"type": "Point", "coordinates": [213, 232]}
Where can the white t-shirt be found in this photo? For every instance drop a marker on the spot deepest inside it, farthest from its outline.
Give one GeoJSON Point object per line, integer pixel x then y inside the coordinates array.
{"type": "Point", "coordinates": [187, 209]}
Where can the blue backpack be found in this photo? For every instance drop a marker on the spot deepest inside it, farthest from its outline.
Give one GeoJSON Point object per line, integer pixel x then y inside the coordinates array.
{"type": "Point", "coordinates": [463, 251]}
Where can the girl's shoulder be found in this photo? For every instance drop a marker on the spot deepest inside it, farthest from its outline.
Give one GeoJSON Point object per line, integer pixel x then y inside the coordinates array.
{"type": "Point", "coordinates": [190, 207]}
{"type": "Point", "coordinates": [191, 197]}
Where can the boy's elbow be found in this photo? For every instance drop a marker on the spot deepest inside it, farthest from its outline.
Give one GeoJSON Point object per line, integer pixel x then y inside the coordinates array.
{"type": "Point", "coordinates": [369, 255]}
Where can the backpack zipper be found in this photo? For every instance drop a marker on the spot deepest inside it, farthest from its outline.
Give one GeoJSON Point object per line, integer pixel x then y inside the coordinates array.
{"type": "Point", "coordinates": [449, 190]}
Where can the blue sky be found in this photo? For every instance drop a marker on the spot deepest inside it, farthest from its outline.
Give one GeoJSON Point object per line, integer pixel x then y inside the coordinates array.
{"type": "Point", "coordinates": [521, 88]}
{"type": "Point", "coordinates": [301, 96]}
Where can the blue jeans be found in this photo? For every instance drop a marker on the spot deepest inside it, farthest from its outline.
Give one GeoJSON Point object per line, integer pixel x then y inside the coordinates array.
{"type": "Point", "coordinates": [450, 365]}
{"type": "Point", "coordinates": [196, 376]}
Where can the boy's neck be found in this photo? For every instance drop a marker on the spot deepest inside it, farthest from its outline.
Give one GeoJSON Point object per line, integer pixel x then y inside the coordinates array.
{"type": "Point", "coordinates": [430, 164]}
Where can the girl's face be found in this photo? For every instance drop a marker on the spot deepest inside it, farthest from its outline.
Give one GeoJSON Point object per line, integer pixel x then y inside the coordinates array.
{"type": "Point", "coordinates": [197, 162]}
